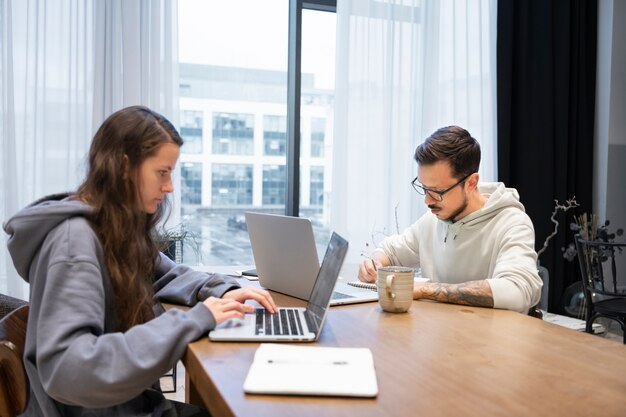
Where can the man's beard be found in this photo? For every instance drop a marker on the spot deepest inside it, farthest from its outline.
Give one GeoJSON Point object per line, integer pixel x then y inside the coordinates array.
{"type": "Point", "coordinates": [456, 212]}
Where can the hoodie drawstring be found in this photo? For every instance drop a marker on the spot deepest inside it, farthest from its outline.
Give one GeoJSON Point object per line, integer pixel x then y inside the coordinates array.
{"type": "Point", "coordinates": [456, 231]}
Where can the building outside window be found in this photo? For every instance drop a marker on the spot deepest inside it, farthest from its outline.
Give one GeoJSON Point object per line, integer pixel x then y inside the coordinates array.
{"type": "Point", "coordinates": [233, 133]}
{"type": "Point", "coordinates": [316, 196]}
{"type": "Point", "coordinates": [191, 131]}
{"type": "Point", "coordinates": [233, 101]}
{"type": "Point", "coordinates": [274, 135]}
{"type": "Point", "coordinates": [318, 132]}
{"type": "Point", "coordinates": [231, 184]}
{"type": "Point", "coordinates": [274, 185]}
{"type": "Point", "coordinates": [191, 174]}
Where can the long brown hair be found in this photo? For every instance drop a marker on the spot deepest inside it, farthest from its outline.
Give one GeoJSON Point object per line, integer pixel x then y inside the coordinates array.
{"type": "Point", "coordinates": [126, 139]}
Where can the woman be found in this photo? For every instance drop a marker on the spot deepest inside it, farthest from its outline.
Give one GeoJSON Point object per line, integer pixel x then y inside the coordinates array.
{"type": "Point", "coordinates": [94, 346]}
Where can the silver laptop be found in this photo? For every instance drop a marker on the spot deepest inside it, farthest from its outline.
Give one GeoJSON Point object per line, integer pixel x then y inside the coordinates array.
{"type": "Point", "coordinates": [291, 324]}
{"type": "Point", "coordinates": [286, 259]}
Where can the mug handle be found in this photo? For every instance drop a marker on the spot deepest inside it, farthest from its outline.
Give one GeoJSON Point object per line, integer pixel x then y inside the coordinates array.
{"type": "Point", "coordinates": [388, 283]}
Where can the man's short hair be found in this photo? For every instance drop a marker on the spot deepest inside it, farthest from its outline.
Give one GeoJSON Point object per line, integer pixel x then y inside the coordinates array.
{"type": "Point", "coordinates": [453, 144]}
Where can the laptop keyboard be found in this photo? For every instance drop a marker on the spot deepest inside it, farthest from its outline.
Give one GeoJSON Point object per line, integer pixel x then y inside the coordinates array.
{"type": "Point", "coordinates": [285, 322]}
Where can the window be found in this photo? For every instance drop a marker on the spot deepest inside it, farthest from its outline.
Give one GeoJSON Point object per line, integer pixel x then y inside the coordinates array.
{"type": "Point", "coordinates": [191, 131]}
{"type": "Point", "coordinates": [316, 196]}
{"type": "Point", "coordinates": [233, 134]}
{"type": "Point", "coordinates": [317, 106]}
{"type": "Point", "coordinates": [231, 185]}
{"type": "Point", "coordinates": [274, 135]}
{"type": "Point", "coordinates": [191, 174]}
{"type": "Point", "coordinates": [318, 130]}
{"type": "Point", "coordinates": [273, 185]}
{"type": "Point", "coordinates": [235, 84]}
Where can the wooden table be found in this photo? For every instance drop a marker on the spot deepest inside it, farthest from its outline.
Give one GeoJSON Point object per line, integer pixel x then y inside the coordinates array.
{"type": "Point", "coordinates": [435, 360]}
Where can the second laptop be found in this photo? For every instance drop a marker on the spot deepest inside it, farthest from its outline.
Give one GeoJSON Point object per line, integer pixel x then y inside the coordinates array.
{"type": "Point", "coordinates": [286, 258]}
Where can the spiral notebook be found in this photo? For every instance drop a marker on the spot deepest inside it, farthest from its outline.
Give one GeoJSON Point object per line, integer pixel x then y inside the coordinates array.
{"type": "Point", "coordinates": [372, 285]}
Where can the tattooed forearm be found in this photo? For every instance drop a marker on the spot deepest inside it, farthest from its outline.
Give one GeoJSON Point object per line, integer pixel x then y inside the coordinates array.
{"type": "Point", "coordinates": [471, 293]}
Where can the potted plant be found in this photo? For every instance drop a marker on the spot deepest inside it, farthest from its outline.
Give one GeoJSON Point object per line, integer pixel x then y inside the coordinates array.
{"type": "Point", "coordinates": [587, 227]}
{"type": "Point", "coordinates": [543, 271]}
{"type": "Point", "coordinates": [172, 241]}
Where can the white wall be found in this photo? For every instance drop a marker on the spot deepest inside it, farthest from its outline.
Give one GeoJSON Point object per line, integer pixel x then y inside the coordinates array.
{"type": "Point", "coordinates": [617, 123]}
{"type": "Point", "coordinates": [609, 199]}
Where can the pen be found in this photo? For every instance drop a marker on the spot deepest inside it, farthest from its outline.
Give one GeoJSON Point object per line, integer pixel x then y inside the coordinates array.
{"type": "Point", "coordinates": [371, 259]}
{"type": "Point", "coordinates": [283, 361]}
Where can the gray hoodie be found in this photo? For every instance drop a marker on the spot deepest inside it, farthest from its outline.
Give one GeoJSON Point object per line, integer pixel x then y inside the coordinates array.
{"type": "Point", "coordinates": [77, 364]}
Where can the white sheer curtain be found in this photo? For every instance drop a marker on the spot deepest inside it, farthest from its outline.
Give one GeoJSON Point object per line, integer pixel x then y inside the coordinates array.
{"type": "Point", "coordinates": [65, 66]}
{"type": "Point", "coordinates": [405, 68]}
{"type": "Point", "coordinates": [136, 62]}
{"type": "Point", "coordinates": [136, 59]}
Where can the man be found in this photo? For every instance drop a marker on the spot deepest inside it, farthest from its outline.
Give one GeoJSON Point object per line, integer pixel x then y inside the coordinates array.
{"type": "Point", "coordinates": [476, 244]}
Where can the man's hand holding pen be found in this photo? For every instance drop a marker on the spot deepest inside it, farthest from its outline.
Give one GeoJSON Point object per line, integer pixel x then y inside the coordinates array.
{"type": "Point", "coordinates": [369, 267]}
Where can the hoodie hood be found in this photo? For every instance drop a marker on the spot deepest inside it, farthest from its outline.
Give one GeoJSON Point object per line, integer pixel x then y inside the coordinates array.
{"type": "Point", "coordinates": [29, 227]}
{"type": "Point", "coordinates": [499, 198]}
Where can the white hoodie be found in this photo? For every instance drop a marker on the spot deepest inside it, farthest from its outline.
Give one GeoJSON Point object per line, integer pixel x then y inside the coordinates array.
{"type": "Point", "coordinates": [495, 243]}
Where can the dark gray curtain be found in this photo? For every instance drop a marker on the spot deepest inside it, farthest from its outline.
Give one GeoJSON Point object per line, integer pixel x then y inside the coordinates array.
{"type": "Point", "coordinates": [546, 67]}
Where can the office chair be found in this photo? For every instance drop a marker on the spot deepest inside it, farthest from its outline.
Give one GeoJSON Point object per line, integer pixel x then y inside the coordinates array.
{"type": "Point", "coordinates": [8, 304]}
{"type": "Point", "coordinates": [14, 385]}
{"type": "Point", "coordinates": [536, 311]}
{"type": "Point", "coordinates": [173, 249]}
{"type": "Point", "coordinates": [598, 267]}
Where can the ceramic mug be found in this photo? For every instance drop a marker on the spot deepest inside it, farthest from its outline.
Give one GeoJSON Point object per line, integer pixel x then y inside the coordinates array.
{"type": "Point", "coordinates": [395, 288]}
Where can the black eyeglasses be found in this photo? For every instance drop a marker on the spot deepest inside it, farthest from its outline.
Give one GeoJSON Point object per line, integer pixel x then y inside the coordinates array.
{"type": "Point", "coordinates": [435, 195]}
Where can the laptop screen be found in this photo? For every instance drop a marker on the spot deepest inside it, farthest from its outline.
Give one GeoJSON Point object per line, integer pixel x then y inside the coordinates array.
{"type": "Point", "coordinates": [327, 277]}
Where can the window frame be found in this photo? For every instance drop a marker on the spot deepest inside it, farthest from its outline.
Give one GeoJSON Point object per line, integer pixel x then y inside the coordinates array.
{"type": "Point", "coordinates": [294, 77]}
